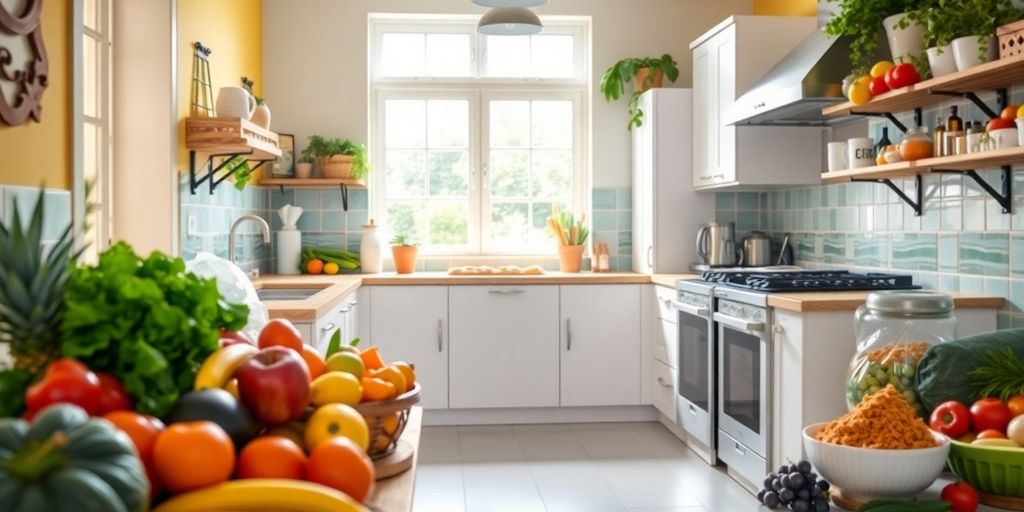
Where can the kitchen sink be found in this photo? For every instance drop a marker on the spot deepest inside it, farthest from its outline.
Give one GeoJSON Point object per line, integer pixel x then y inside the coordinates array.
{"type": "Point", "coordinates": [287, 293]}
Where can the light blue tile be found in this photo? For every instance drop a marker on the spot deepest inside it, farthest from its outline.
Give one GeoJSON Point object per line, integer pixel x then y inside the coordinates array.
{"type": "Point", "coordinates": [279, 199]}
{"type": "Point", "coordinates": [354, 240]}
{"type": "Point", "coordinates": [949, 282]}
{"type": "Point", "coordinates": [750, 201]}
{"type": "Point", "coordinates": [332, 221]}
{"type": "Point", "coordinates": [1016, 298]}
{"type": "Point", "coordinates": [971, 284]}
{"type": "Point", "coordinates": [308, 199]}
{"type": "Point", "coordinates": [914, 251]}
{"type": "Point", "coordinates": [949, 253]}
{"type": "Point", "coordinates": [746, 221]}
{"type": "Point", "coordinates": [1017, 255]}
{"type": "Point", "coordinates": [725, 216]}
{"type": "Point", "coordinates": [356, 219]}
{"type": "Point", "coordinates": [625, 198]}
{"type": "Point", "coordinates": [309, 222]}
{"type": "Point", "coordinates": [869, 250]}
{"type": "Point", "coordinates": [974, 215]}
{"type": "Point", "coordinates": [725, 201]}
{"type": "Point", "coordinates": [985, 254]}
{"type": "Point", "coordinates": [625, 220]}
{"type": "Point", "coordinates": [997, 287]}
{"type": "Point", "coordinates": [605, 220]}
{"type": "Point", "coordinates": [951, 213]}
{"type": "Point", "coordinates": [604, 199]}
{"type": "Point", "coordinates": [358, 199]}
{"type": "Point", "coordinates": [625, 243]}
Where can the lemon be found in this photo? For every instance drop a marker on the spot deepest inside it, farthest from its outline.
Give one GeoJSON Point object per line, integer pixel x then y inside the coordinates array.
{"type": "Point", "coordinates": [347, 362]}
{"type": "Point", "coordinates": [859, 92]}
{"type": "Point", "coordinates": [331, 268]}
{"type": "Point", "coordinates": [880, 68]}
{"type": "Point", "coordinates": [333, 420]}
{"type": "Point", "coordinates": [1020, 112]}
{"type": "Point", "coordinates": [335, 388]}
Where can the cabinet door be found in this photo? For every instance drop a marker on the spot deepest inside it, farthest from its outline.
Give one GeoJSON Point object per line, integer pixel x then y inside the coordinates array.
{"type": "Point", "coordinates": [504, 346]}
{"type": "Point", "coordinates": [643, 187]}
{"type": "Point", "coordinates": [600, 345]}
{"type": "Point", "coordinates": [324, 328]}
{"type": "Point", "coordinates": [724, 76]}
{"type": "Point", "coordinates": [409, 324]}
{"type": "Point", "coordinates": [704, 131]}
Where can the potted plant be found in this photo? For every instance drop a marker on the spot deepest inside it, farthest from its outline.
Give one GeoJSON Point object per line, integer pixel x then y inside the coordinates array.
{"type": "Point", "coordinates": [860, 20]}
{"type": "Point", "coordinates": [304, 167]}
{"type": "Point", "coordinates": [571, 234]}
{"type": "Point", "coordinates": [404, 249]}
{"type": "Point", "coordinates": [975, 22]}
{"type": "Point", "coordinates": [646, 73]}
{"type": "Point", "coordinates": [339, 158]}
{"type": "Point", "coordinates": [941, 22]}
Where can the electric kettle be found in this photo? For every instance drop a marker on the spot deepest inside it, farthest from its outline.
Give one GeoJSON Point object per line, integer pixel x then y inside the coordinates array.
{"type": "Point", "coordinates": [716, 244]}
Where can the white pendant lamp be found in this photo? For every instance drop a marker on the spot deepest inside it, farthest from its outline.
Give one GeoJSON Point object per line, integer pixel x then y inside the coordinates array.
{"type": "Point", "coordinates": [509, 3]}
{"type": "Point", "coordinates": [509, 21]}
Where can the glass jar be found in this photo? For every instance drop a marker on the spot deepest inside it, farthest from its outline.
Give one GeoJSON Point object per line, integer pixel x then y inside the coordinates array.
{"type": "Point", "coordinates": [916, 144]}
{"type": "Point", "coordinates": [894, 329]}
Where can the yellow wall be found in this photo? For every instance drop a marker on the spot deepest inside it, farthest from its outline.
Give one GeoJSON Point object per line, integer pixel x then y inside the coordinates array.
{"type": "Point", "coordinates": [40, 153]}
{"type": "Point", "coordinates": [233, 29]}
{"type": "Point", "coordinates": [785, 7]}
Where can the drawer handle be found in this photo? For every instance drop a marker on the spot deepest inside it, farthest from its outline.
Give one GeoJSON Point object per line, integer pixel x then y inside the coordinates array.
{"type": "Point", "coordinates": [739, 449]}
{"type": "Point", "coordinates": [440, 336]}
{"type": "Point", "coordinates": [663, 383]}
{"type": "Point", "coordinates": [328, 328]}
{"type": "Point", "coordinates": [353, 302]}
{"type": "Point", "coordinates": [506, 291]}
{"type": "Point", "coordinates": [693, 410]}
{"type": "Point", "coordinates": [345, 309]}
{"type": "Point", "coordinates": [568, 334]}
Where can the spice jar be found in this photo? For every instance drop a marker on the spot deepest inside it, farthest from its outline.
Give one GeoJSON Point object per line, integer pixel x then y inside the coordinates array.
{"type": "Point", "coordinates": [916, 144]}
{"type": "Point", "coordinates": [894, 329]}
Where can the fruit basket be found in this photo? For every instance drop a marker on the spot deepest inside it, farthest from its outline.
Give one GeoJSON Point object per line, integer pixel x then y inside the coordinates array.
{"type": "Point", "coordinates": [387, 420]}
{"type": "Point", "coordinates": [990, 469]}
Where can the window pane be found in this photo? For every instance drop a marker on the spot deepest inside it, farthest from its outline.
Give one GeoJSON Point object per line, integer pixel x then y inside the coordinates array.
{"type": "Point", "coordinates": [403, 54]}
{"type": "Point", "coordinates": [552, 173]}
{"type": "Point", "coordinates": [405, 173]}
{"type": "Point", "coordinates": [449, 223]}
{"type": "Point", "coordinates": [540, 237]}
{"type": "Point", "coordinates": [405, 123]}
{"type": "Point", "coordinates": [510, 124]}
{"type": "Point", "coordinates": [508, 56]}
{"type": "Point", "coordinates": [91, 8]}
{"type": "Point", "coordinates": [90, 147]}
{"type": "Point", "coordinates": [90, 76]}
{"type": "Point", "coordinates": [552, 56]}
{"type": "Point", "coordinates": [406, 217]}
{"type": "Point", "coordinates": [448, 55]}
{"type": "Point", "coordinates": [509, 173]}
{"type": "Point", "coordinates": [448, 124]}
{"type": "Point", "coordinates": [449, 173]}
{"type": "Point", "coordinates": [552, 124]}
{"type": "Point", "coordinates": [509, 224]}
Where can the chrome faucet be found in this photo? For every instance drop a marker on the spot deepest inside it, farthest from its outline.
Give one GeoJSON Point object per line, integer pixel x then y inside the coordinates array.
{"type": "Point", "coordinates": [234, 227]}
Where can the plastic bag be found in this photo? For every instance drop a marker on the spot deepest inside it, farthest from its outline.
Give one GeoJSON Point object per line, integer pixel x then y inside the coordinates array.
{"type": "Point", "coordinates": [234, 285]}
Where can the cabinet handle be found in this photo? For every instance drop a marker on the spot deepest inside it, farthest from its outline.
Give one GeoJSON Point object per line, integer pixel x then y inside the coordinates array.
{"type": "Point", "coordinates": [663, 383]}
{"type": "Point", "coordinates": [345, 309]}
{"type": "Point", "coordinates": [353, 302]}
{"type": "Point", "coordinates": [506, 291]}
{"type": "Point", "coordinates": [693, 410]}
{"type": "Point", "coordinates": [440, 336]}
{"type": "Point", "coordinates": [328, 328]}
{"type": "Point", "coordinates": [739, 449]}
{"type": "Point", "coordinates": [650, 254]}
{"type": "Point", "coordinates": [568, 334]}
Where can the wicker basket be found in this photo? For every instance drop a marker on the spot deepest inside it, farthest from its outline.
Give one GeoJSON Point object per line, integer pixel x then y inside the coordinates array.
{"type": "Point", "coordinates": [387, 420]}
{"type": "Point", "coordinates": [1011, 39]}
{"type": "Point", "coordinates": [336, 166]}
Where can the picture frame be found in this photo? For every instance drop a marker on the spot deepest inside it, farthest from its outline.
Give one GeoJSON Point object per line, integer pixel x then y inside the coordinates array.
{"type": "Point", "coordinates": [284, 166]}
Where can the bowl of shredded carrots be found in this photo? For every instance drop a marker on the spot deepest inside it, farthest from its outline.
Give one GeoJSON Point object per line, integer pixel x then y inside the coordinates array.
{"type": "Point", "coordinates": [880, 449]}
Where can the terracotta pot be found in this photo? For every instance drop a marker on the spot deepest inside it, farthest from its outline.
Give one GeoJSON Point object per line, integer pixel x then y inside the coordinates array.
{"type": "Point", "coordinates": [570, 258]}
{"type": "Point", "coordinates": [303, 170]}
{"type": "Point", "coordinates": [641, 77]}
{"type": "Point", "coordinates": [405, 258]}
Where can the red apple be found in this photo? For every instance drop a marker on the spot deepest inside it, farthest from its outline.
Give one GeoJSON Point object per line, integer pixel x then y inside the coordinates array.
{"type": "Point", "coordinates": [274, 385]}
{"type": "Point", "coordinates": [231, 338]}
{"type": "Point", "coordinates": [999, 123]}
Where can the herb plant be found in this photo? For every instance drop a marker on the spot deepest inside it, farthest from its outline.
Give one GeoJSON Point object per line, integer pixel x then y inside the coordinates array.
{"type": "Point", "coordinates": [404, 240]}
{"type": "Point", "coordinates": [623, 72]}
{"type": "Point", "coordinates": [861, 20]}
{"type": "Point", "coordinates": [321, 147]}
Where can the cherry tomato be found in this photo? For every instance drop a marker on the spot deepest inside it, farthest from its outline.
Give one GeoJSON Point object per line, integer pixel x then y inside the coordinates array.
{"type": "Point", "coordinates": [990, 413]}
{"type": "Point", "coordinates": [902, 75]}
{"type": "Point", "coordinates": [951, 418]}
{"type": "Point", "coordinates": [877, 85]}
{"type": "Point", "coordinates": [1016, 404]}
{"type": "Point", "coordinates": [961, 497]}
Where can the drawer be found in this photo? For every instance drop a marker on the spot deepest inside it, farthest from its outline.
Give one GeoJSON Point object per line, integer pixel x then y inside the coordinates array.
{"type": "Point", "coordinates": [666, 343]}
{"type": "Point", "coordinates": [664, 394]}
{"type": "Point", "coordinates": [665, 296]}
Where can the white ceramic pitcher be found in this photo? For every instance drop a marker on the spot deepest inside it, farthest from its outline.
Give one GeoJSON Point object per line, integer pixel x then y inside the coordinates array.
{"type": "Point", "coordinates": [235, 102]}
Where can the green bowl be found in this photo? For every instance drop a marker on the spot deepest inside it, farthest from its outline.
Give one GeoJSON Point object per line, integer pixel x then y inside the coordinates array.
{"type": "Point", "coordinates": [991, 469]}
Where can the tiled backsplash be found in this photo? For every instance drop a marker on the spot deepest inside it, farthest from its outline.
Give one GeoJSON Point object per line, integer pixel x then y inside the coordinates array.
{"type": "Point", "coordinates": [215, 213]}
{"type": "Point", "coordinates": [613, 225]}
{"type": "Point", "coordinates": [57, 204]}
{"type": "Point", "coordinates": [323, 221]}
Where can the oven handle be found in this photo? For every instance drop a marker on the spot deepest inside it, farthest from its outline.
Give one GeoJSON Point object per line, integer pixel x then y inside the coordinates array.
{"type": "Point", "coordinates": [754, 328]}
{"type": "Point", "coordinates": [691, 309]}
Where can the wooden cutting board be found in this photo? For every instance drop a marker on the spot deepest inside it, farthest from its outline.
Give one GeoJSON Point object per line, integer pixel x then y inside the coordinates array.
{"type": "Point", "coordinates": [398, 462]}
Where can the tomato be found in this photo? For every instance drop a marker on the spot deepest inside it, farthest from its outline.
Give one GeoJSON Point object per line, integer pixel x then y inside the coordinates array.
{"type": "Point", "coordinates": [998, 124]}
{"type": "Point", "coordinates": [877, 86]}
{"type": "Point", "coordinates": [193, 454]}
{"type": "Point", "coordinates": [1016, 404]}
{"type": "Point", "coordinates": [281, 332]}
{"type": "Point", "coordinates": [1009, 113]}
{"type": "Point", "coordinates": [272, 457]}
{"type": "Point", "coordinates": [902, 75]}
{"type": "Point", "coordinates": [143, 431]}
{"type": "Point", "coordinates": [340, 464]}
{"type": "Point", "coordinates": [961, 497]}
{"type": "Point", "coordinates": [991, 434]}
{"type": "Point", "coordinates": [113, 396]}
{"type": "Point", "coordinates": [66, 380]}
{"type": "Point", "coordinates": [990, 413]}
{"type": "Point", "coordinates": [951, 418]}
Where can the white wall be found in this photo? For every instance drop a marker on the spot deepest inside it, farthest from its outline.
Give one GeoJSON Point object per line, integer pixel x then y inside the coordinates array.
{"type": "Point", "coordinates": [315, 60]}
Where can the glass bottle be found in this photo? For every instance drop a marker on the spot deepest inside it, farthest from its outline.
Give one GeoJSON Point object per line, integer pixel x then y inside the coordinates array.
{"type": "Point", "coordinates": [939, 137]}
{"type": "Point", "coordinates": [916, 144]}
{"type": "Point", "coordinates": [883, 142]}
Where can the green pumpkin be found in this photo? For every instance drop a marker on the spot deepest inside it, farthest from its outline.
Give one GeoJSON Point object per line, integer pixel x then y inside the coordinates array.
{"type": "Point", "coordinates": [67, 462]}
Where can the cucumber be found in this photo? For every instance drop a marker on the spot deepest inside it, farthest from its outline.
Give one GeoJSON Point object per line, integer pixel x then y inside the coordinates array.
{"type": "Point", "coordinates": [905, 506]}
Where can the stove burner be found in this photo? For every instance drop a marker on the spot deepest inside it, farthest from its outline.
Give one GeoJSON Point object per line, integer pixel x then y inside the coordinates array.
{"type": "Point", "coordinates": [810, 281]}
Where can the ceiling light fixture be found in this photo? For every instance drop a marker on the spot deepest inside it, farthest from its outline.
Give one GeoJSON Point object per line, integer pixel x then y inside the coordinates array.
{"type": "Point", "coordinates": [509, 3]}
{"type": "Point", "coordinates": [509, 21]}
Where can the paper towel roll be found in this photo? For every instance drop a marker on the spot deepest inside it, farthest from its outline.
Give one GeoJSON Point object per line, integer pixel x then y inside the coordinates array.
{"type": "Point", "coordinates": [289, 251]}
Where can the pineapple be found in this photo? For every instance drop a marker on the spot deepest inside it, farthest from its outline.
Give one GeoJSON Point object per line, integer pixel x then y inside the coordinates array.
{"type": "Point", "coordinates": [32, 280]}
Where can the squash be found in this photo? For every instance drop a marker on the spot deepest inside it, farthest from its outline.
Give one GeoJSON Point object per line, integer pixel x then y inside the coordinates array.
{"type": "Point", "coordinates": [65, 462]}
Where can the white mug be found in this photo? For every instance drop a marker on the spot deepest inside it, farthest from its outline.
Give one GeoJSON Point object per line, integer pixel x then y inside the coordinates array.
{"type": "Point", "coordinates": [861, 152]}
{"type": "Point", "coordinates": [837, 158]}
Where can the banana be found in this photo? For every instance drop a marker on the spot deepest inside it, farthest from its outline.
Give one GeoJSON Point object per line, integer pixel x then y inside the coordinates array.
{"type": "Point", "coordinates": [263, 494]}
{"type": "Point", "coordinates": [221, 365]}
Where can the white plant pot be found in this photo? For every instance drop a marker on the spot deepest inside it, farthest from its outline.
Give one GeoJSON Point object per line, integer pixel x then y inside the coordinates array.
{"type": "Point", "coordinates": [261, 116]}
{"type": "Point", "coordinates": [941, 61]}
{"type": "Point", "coordinates": [303, 171]}
{"type": "Point", "coordinates": [903, 42]}
{"type": "Point", "coordinates": [1020, 131]}
{"type": "Point", "coordinates": [965, 51]}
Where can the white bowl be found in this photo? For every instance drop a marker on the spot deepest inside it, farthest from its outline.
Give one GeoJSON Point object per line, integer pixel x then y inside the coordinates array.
{"type": "Point", "coordinates": [1004, 137]}
{"type": "Point", "coordinates": [1020, 131]}
{"type": "Point", "coordinates": [867, 473]}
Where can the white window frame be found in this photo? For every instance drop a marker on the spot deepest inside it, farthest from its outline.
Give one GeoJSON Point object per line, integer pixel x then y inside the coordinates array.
{"type": "Point", "coordinates": [482, 89]}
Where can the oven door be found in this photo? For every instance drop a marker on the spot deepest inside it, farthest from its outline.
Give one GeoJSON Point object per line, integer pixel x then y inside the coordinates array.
{"type": "Point", "coordinates": [695, 403]}
{"type": "Point", "coordinates": [743, 381]}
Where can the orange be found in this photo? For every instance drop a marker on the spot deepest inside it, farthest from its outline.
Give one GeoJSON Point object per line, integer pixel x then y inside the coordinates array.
{"type": "Point", "coordinates": [375, 389]}
{"type": "Point", "coordinates": [192, 455]}
{"type": "Point", "coordinates": [371, 358]}
{"type": "Point", "coordinates": [314, 266]}
{"type": "Point", "coordinates": [388, 427]}
{"type": "Point", "coordinates": [316, 364]}
{"type": "Point", "coordinates": [272, 457]}
{"type": "Point", "coordinates": [408, 371]}
{"type": "Point", "coordinates": [336, 420]}
{"type": "Point", "coordinates": [340, 464]}
{"type": "Point", "coordinates": [141, 429]}
{"type": "Point", "coordinates": [281, 332]}
{"type": "Point", "coordinates": [1009, 112]}
{"type": "Point", "coordinates": [394, 376]}
{"type": "Point", "coordinates": [1016, 404]}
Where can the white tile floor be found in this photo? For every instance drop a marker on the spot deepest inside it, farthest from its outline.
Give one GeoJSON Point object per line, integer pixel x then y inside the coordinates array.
{"type": "Point", "coordinates": [598, 467]}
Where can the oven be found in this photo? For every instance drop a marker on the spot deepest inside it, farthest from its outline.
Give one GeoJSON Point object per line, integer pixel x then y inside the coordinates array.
{"type": "Point", "coordinates": [744, 381]}
{"type": "Point", "coordinates": [695, 398]}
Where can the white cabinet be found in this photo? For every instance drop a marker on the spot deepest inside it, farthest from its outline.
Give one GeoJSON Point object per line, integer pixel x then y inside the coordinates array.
{"type": "Point", "coordinates": [664, 391]}
{"type": "Point", "coordinates": [504, 346]}
{"type": "Point", "coordinates": [600, 345]}
{"type": "Point", "coordinates": [727, 61]}
{"type": "Point", "coordinates": [409, 323]}
{"type": "Point", "coordinates": [667, 212]}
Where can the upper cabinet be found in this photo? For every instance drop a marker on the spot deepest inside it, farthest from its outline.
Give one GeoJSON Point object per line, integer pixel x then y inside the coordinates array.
{"type": "Point", "coordinates": [727, 61]}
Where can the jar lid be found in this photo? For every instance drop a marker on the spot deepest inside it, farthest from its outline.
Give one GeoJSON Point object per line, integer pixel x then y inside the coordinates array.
{"type": "Point", "coordinates": [910, 302]}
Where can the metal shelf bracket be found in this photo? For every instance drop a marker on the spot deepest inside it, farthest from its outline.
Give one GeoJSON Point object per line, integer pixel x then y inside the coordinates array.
{"type": "Point", "coordinates": [1001, 99]}
{"type": "Point", "coordinates": [1003, 197]}
{"type": "Point", "coordinates": [344, 197]}
{"type": "Point", "coordinates": [917, 203]}
{"type": "Point", "coordinates": [195, 181]}
{"type": "Point", "coordinates": [892, 119]}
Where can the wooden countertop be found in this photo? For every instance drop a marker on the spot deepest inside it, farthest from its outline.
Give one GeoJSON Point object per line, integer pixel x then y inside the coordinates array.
{"type": "Point", "coordinates": [333, 289]}
{"type": "Point", "coordinates": [443, 279]}
{"type": "Point", "coordinates": [849, 301]}
{"type": "Point", "coordinates": [395, 494]}
{"type": "Point", "coordinates": [670, 279]}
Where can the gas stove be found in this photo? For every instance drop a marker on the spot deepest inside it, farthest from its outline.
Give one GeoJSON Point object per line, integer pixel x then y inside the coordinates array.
{"type": "Point", "coordinates": [807, 281]}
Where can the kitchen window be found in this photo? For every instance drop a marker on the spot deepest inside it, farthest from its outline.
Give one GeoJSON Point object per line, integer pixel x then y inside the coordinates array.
{"type": "Point", "coordinates": [476, 139]}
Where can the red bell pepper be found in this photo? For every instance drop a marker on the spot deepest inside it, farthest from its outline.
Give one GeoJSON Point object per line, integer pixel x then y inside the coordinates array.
{"type": "Point", "coordinates": [65, 380]}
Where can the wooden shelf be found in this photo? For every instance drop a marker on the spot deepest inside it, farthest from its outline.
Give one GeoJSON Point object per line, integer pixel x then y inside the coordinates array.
{"type": "Point", "coordinates": [311, 182]}
{"type": "Point", "coordinates": [972, 161]}
{"type": "Point", "coordinates": [998, 74]}
{"type": "Point", "coordinates": [231, 136]}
